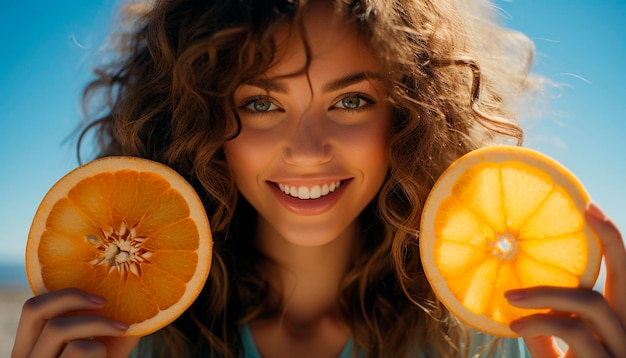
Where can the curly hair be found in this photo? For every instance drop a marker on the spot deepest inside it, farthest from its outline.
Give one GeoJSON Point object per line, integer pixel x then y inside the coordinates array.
{"type": "Point", "coordinates": [454, 74]}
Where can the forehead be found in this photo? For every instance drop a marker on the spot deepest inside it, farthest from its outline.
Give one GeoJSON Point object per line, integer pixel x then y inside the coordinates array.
{"type": "Point", "coordinates": [323, 40]}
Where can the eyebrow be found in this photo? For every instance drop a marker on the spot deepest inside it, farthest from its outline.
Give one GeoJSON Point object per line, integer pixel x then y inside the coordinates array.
{"type": "Point", "coordinates": [277, 86]}
{"type": "Point", "coordinates": [269, 85]}
{"type": "Point", "coordinates": [350, 80]}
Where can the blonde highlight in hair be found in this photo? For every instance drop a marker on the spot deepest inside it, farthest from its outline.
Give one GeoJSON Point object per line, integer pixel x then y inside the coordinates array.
{"type": "Point", "coordinates": [167, 96]}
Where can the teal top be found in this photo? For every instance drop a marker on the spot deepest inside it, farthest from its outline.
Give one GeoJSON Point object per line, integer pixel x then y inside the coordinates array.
{"type": "Point", "coordinates": [250, 350]}
{"type": "Point", "coordinates": [509, 347]}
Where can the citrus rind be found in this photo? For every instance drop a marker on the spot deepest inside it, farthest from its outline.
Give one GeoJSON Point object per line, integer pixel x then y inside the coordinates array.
{"type": "Point", "coordinates": [114, 164]}
{"type": "Point", "coordinates": [444, 193]}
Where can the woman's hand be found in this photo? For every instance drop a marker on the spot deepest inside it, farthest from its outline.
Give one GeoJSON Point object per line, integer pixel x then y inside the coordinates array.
{"type": "Point", "coordinates": [592, 324]}
{"type": "Point", "coordinates": [45, 331]}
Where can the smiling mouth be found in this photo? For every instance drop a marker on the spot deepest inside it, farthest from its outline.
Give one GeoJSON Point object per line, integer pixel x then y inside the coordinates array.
{"type": "Point", "coordinates": [307, 193]}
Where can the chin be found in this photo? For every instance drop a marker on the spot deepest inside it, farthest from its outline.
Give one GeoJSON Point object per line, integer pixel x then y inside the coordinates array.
{"type": "Point", "coordinates": [317, 235]}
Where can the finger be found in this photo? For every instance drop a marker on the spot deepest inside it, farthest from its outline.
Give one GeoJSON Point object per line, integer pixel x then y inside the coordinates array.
{"type": "Point", "coordinates": [38, 309]}
{"type": "Point", "coordinates": [84, 348]}
{"type": "Point", "coordinates": [58, 331]}
{"type": "Point", "coordinates": [574, 332]}
{"type": "Point", "coordinates": [589, 306]}
{"type": "Point", "coordinates": [614, 257]}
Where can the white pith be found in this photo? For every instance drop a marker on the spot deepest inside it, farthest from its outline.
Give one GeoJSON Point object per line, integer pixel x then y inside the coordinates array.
{"type": "Point", "coordinates": [313, 192]}
{"type": "Point", "coordinates": [120, 249]}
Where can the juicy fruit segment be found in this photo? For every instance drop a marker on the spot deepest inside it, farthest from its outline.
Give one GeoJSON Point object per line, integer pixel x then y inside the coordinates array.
{"type": "Point", "coordinates": [502, 218]}
{"type": "Point", "coordinates": [127, 229]}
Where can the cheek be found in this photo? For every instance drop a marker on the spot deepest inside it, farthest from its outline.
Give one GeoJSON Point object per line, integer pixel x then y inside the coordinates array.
{"type": "Point", "coordinates": [368, 146]}
{"type": "Point", "coordinates": [367, 152]}
{"type": "Point", "coordinates": [377, 152]}
{"type": "Point", "coordinates": [376, 158]}
{"type": "Point", "coordinates": [242, 158]}
{"type": "Point", "coordinates": [248, 147]}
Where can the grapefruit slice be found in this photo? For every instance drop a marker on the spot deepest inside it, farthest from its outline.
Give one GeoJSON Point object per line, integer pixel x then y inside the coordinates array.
{"type": "Point", "coordinates": [502, 218]}
{"type": "Point", "coordinates": [128, 229]}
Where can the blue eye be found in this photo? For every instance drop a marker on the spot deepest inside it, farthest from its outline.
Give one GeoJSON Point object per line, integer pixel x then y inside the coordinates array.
{"type": "Point", "coordinates": [353, 101]}
{"type": "Point", "coordinates": [260, 104]}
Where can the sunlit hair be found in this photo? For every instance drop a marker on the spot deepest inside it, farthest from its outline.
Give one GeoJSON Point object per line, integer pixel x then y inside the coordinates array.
{"type": "Point", "coordinates": [166, 95]}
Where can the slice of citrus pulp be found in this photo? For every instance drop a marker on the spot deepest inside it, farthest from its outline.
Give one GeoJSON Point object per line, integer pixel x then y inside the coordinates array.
{"type": "Point", "coordinates": [128, 229]}
{"type": "Point", "coordinates": [502, 218]}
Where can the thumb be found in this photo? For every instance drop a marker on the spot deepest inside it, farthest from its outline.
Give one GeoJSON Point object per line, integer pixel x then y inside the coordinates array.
{"type": "Point", "coordinates": [542, 347]}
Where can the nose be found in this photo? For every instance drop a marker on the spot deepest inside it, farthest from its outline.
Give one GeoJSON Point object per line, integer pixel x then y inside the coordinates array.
{"type": "Point", "coordinates": [309, 143]}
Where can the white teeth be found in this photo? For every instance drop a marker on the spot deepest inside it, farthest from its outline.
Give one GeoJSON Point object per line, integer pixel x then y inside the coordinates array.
{"type": "Point", "coordinates": [314, 192]}
{"type": "Point", "coordinates": [303, 192]}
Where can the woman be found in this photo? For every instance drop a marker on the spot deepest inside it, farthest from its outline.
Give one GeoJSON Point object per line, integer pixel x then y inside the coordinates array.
{"type": "Point", "coordinates": [314, 131]}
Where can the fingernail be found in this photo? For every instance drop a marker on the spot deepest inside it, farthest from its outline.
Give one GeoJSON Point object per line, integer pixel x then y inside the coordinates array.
{"type": "Point", "coordinates": [120, 325]}
{"type": "Point", "coordinates": [96, 299]}
{"type": "Point", "coordinates": [515, 295]}
{"type": "Point", "coordinates": [594, 211]}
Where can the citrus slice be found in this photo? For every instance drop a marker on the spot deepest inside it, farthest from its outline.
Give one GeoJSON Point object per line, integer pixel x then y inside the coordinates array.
{"type": "Point", "coordinates": [128, 229]}
{"type": "Point", "coordinates": [502, 218]}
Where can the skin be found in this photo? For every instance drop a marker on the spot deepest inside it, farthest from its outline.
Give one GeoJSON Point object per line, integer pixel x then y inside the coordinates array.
{"type": "Point", "coordinates": [592, 324]}
{"type": "Point", "coordinates": [44, 332]}
{"type": "Point", "coordinates": [308, 137]}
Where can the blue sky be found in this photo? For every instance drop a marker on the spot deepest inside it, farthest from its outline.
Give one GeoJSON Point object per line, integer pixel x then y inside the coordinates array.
{"type": "Point", "coordinates": [48, 47]}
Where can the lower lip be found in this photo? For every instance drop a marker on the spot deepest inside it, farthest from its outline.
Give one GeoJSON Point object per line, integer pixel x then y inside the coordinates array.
{"type": "Point", "coordinates": [309, 207]}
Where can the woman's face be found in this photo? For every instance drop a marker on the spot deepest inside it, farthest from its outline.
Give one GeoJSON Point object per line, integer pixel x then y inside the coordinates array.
{"type": "Point", "coordinates": [312, 152]}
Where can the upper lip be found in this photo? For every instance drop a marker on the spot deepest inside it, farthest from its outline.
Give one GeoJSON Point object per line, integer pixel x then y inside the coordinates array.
{"type": "Point", "coordinates": [308, 182]}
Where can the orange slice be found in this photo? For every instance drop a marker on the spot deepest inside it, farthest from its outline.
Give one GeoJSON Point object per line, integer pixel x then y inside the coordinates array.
{"type": "Point", "coordinates": [128, 229]}
{"type": "Point", "coordinates": [502, 218]}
